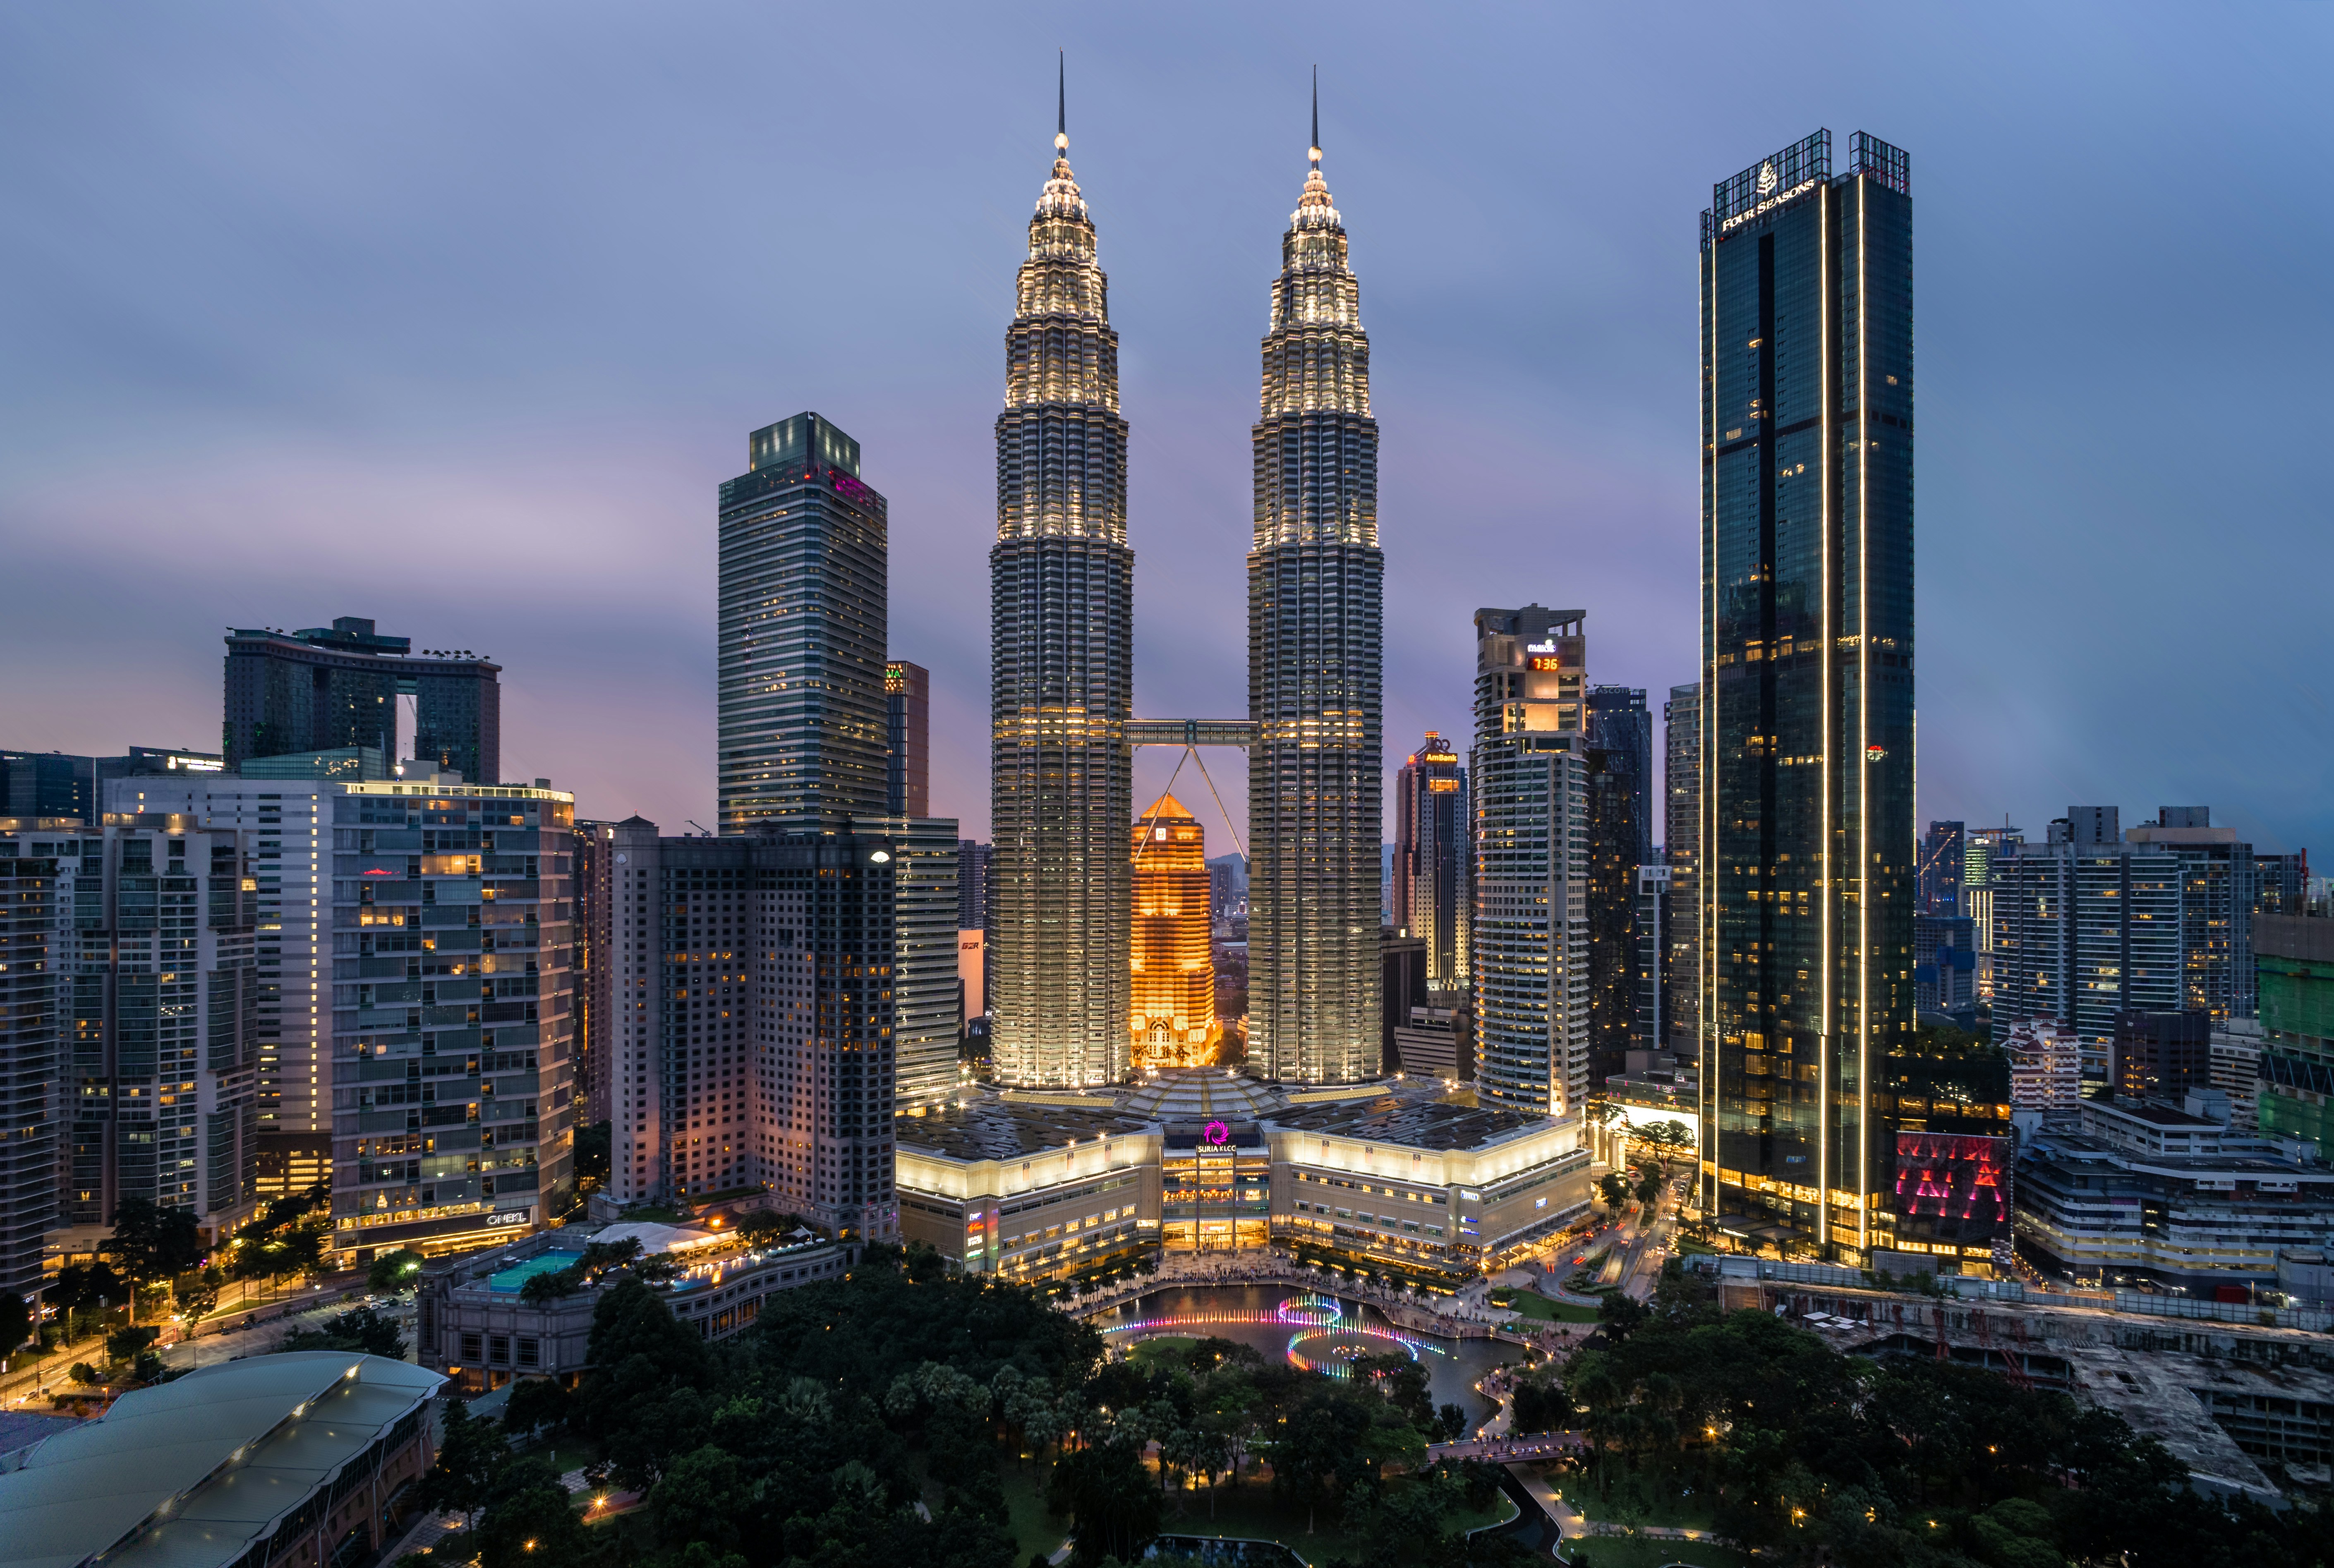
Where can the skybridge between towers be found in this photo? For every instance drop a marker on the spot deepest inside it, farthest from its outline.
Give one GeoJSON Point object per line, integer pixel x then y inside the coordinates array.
{"type": "Point", "coordinates": [1238, 732]}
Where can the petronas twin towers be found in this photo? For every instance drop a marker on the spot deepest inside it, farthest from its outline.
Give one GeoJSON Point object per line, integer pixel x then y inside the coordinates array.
{"type": "Point", "coordinates": [1063, 726]}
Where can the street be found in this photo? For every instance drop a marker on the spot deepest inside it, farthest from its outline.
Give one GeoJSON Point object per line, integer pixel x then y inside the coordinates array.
{"type": "Point", "coordinates": [242, 1332]}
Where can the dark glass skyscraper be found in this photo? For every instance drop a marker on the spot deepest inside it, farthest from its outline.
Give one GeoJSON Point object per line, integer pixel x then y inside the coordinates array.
{"type": "Point", "coordinates": [1806, 717]}
{"type": "Point", "coordinates": [326, 686]}
{"type": "Point", "coordinates": [1315, 671]}
{"type": "Point", "coordinates": [1434, 891]}
{"type": "Point", "coordinates": [1681, 848]}
{"type": "Point", "coordinates": [804, 574]}
{"type": "Point", "coordinates": [908, 712]}
{"type": "Point", "coordinates": [1061, 669]}
{"type": "Point", "coordinates": [1620, 724]}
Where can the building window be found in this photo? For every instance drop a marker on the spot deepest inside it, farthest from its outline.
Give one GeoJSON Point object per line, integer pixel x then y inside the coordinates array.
{"type": "Point", "coordinates": [529, 1353]}
{"type": "Point", "coordinates": [498, 1350]}
{"type": "Point", "coordinates": [471, 1348]}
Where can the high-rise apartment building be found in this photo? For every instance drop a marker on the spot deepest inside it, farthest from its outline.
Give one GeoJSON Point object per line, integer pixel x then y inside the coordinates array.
{"type": "Point", "coordinates": [761, 1032]}
{"type": "Point", "coordinates": [925, 892]}
{"type": "Point", "coordinates": [328, 687]}
{"type": "Point", "coordinates": [1681, 848]}
{"type": "Point", "coordinates": [1529, 768]}
{"type": "Point", "coordinates": [802, 724]}
{"type": "Point", "coordinates": [416, 1005]}
{"type": "Point", "coordinates": [908, 715]}
{"type": "Point", "coordinates": [1433, 883]}
{"type": "Point", "coordinates": [972, 873]}
{"type": "Point", "coordinates": [35, 930]}
{"type": "Point", "coordinates": [1173, 1020]}
{"type": "Point", "coordinates": [158, 994]}
{"type": "Point", "coordinates": [1943, 864]}
{"type": "Point", "coordinates": [2097, 922]}
{"type": "Point", "coordinates": [1807, 688]}
{"type": "Point", "coordinates": [1981, 848]}
{"type": "Point", "coordinates": [595, 984]}
{"type": "Point", "coordinates": [1315, 671]}
{"type": "Point", "coordinates": [1061, 671]}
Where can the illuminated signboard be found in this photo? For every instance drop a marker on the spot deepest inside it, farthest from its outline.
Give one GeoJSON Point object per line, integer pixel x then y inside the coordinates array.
{"type": "Point", "coordinates": [1218, 1134]}
{"type": "Point", "coordinates": [1547, 663]}
{"type": "Point", "coordinates": [895, 678]}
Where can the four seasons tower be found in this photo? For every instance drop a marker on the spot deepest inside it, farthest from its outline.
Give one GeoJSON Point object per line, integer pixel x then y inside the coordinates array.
{"type": "Point", "coordinates": [1061, 584]}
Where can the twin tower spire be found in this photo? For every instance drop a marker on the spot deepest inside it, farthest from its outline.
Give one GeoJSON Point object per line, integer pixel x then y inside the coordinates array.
{"type": "Point", "coordinates": [1061, 678]}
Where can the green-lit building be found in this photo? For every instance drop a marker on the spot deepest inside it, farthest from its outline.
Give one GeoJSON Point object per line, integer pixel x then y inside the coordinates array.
{"type": "Point", "coordinates": [2295, 955]}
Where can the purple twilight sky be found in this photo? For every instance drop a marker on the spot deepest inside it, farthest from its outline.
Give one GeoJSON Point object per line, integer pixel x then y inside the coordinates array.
{"type": "Point", "coordinates": [454, 316]}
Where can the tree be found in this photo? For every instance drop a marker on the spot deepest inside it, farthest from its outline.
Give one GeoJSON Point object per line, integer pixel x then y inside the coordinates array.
{"type": "Point", "coordinates": [361, 1329]}
{"type": "Point", "coordinates": [535, 1403]}
{"type": "Point", "coordinates": [123, 1344]}
{"type": "Point", "coordinates": [152, 1243]}
{"type": "Point", "coordinates": [1670, 1140]}
{"type": "Point", "coordinates": [1649, 1189]}
{"type": "Point", "coordinates": [395, 1271]}
{"type": "Point", "coordinates": [765, 1225]}
{"type": "Point", "coordinates": [1106, 1490]}
{"type": "Point", "coordinates": [529, 1519]}
{"type": "Point", "coordinates": [197, 1292]}
{"type": "Point", "coordinates": [1451, 1421]}
{"type": "Point", "coordinates": [1615, 1188]}
{"type": "Point", "coordinates": [1621, 1315]}
{"type": "Point", "coordinates": [470, 1454]}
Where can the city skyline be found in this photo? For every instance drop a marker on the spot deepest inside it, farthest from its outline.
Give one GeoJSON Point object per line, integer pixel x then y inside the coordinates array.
{"type": "Point", "coordinates": [253, 432]}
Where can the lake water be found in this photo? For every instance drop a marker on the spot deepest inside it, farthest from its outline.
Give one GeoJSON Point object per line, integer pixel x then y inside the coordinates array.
{"type": "Point", "coordinates": [1451, 1375]}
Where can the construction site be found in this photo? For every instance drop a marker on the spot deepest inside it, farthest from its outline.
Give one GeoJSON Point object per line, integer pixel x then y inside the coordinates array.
{"type": "Point", "coordinates": [2249, 1408]}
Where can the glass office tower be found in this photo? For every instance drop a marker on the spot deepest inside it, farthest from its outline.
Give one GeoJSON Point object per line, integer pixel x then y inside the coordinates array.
{"type": "Point", "coordinates": [1061, 672]}
{"type": "Point", "coordinates": [1433, 892]}
{"type": "Point", "coordinates": [1806, 719]}
{"type": "Point", "coordinates": [805, 572]}
{"type": "Point", "coordinates": [1316, 671]}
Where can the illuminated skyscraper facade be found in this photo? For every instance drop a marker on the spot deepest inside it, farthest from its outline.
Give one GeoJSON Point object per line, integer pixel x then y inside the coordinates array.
{"type": "Point", "coordinates": [1532, 928]}
{"type": "Point", "coordinates": [1173, 1019]}
{"type": "Point", "coordinates": [1807, 712]}
{"type": "Point", "coordinates": [1315, 667]}
{"type": "Point", "coordinates": [1434, 891]}
{"type": "Point", "coordinates": [805, 577]}
{"type": "Point", "coordinates": [1061, 581]}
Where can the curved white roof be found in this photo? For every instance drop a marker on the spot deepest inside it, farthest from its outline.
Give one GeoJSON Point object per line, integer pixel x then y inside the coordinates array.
{"type": "Point", "coordinates": [211, 1461]}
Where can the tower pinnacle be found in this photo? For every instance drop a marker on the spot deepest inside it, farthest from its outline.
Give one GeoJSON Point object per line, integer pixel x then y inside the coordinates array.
{"type": "Point", "coordinates": [1062, 102]}
{"type": "Point", "coordinates": [1314, 152]}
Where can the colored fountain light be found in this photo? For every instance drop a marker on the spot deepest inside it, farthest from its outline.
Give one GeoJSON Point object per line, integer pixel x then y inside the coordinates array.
{"type": "Point", "coordinates": [1325, 1341]}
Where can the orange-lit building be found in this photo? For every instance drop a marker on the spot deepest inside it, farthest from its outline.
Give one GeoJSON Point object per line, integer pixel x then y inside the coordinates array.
{"type": "Point", "coordinates": [1173, 1004]}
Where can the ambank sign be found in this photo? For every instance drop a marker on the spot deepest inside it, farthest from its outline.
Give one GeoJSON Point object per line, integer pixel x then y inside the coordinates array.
{"type": "Point", "coordinates": [1765, 182]}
